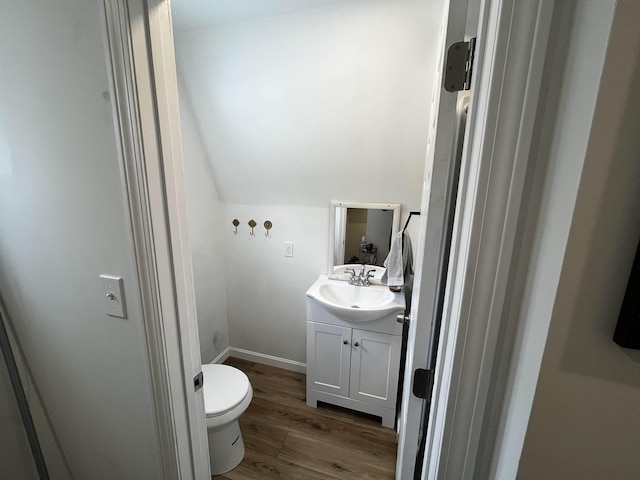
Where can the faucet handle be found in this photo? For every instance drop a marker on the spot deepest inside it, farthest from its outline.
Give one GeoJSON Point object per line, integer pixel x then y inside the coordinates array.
{"type": "Point", "coordinates": [370, 274]}
{"type": "Point", "coordinates": [353, 275]}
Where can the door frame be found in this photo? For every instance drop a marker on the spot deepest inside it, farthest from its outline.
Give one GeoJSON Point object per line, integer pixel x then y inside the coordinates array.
{"type": "Point", "coordinates": [139, 51]}
{"type": "Point", "coordinates": [432, 236]}
{"type": "Point", "coordinates": [486, 233]}
{"type": "Point", "coordinates": [496, 173]}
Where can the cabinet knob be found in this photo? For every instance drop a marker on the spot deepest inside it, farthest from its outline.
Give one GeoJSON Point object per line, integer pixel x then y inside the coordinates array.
{"type": "Point", "coordinates": [346, 342]}
{"type": "Point", "coordinates": [357, 344]}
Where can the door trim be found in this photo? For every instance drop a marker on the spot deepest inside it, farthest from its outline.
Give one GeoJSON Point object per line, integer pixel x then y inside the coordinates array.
{"type": "Point", "coordinates": [148, 156]}
{"type": "Point", "coordinates": [432, 233]}
{"type": "Point", "coordinates": [160, 60]}
{"type": "Point", "coordinates": [487, 235]}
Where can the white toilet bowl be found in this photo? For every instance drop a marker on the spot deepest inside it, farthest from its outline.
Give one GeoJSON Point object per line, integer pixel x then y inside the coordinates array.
{"type": "Point", "coordinates": [227, 394]}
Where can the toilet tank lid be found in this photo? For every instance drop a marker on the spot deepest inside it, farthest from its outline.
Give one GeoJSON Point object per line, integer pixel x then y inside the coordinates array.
{"type": "Point", "coordinates": [224, 388]}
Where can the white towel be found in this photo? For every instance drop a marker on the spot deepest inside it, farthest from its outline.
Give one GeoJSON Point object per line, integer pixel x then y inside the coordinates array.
{"type": "Point", "coordinates": [399, 262]}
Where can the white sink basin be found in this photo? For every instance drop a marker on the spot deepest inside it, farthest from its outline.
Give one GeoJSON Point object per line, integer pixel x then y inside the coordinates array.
{"type": "Point", "coordinates": [355, 304]}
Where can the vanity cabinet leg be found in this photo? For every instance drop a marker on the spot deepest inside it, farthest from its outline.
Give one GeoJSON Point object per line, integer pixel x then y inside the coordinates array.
{"type": "Point", "coordinates": [311, 401]}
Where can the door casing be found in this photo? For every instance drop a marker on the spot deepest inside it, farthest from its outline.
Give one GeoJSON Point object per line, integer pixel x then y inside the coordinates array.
{"type": "Point", "coordinates": [142, 60]}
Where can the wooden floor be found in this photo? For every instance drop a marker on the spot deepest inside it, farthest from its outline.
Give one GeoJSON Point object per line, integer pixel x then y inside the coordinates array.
{"type": "Point", "coordinates": [284, 438]}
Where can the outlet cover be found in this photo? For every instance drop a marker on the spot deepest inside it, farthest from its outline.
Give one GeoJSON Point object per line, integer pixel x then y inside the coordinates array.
{"type": "Point", "coordinates": [288, 249]}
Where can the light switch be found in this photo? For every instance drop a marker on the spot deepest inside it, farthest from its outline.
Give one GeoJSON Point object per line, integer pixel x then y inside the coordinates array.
{"type": "Point", "coordinates": [113, 295]}
{"type": "Point", "coordinates": [288, 249]}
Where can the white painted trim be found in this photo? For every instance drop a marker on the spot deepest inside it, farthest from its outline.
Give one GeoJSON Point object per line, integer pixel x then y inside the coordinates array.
{"type": "Point", "coordinates": [146, 114]}
{"type": "Point", "coordinates": [434, 222]}
{"type": "Point", "coordinates": [506, 88]}
{"type": "Point", "coordinates": [565, 143]}
{"type": "Point", "coordinates": [221, 357]}
{"type": "Point", "coordinates": [126, 114]}
{"type": "Point", "coordinates": [265, 359]}
{"type": "Point", "coordinates": [164, 117]}
{"type": "Point", "coordinates": [262, 358]}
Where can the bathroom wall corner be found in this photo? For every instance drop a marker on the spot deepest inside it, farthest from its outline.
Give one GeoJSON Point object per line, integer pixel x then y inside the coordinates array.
{"type": "Point", "coordinates": [204, 212]}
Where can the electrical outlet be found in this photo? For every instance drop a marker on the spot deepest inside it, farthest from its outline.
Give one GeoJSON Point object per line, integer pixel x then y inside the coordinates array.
{"type": "Point", "coordinates": [288, 249]}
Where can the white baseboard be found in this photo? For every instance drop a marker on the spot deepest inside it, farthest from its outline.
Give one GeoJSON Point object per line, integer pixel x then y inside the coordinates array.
{"type": "Point", "coordinates": [222, 357]}
{"type": "Point", "coordinates": [265, 359]}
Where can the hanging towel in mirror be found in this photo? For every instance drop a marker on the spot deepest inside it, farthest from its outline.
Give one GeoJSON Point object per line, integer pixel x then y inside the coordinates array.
{"type": "Point", "coordinates": [399, 262]}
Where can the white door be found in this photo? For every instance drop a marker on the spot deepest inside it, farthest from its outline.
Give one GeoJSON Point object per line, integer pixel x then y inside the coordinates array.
{"type": "Point", "coordinates": [328, 358]}
{"type": "Point", "coordinates": [375, 358]}
{"type": "Point", "coordinates": [432, 240]}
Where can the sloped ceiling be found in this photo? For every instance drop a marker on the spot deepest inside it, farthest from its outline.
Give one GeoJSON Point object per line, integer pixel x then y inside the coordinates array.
{"type": "Point", "coordinates": [315, 105]}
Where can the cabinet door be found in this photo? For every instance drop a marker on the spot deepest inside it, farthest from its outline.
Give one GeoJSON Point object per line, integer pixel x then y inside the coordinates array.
{"type": "Point", "coordinates": [328, 358]}
{"type": "Point", "coordinates": [375, 361]}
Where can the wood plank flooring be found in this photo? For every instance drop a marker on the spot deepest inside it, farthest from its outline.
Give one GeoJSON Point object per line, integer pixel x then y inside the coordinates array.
{"type": "Point", "coordinates": [286, 439]}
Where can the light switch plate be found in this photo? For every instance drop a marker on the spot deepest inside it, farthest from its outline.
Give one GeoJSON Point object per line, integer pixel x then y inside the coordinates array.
{"type": "Point", "coordinates": [113, 295]}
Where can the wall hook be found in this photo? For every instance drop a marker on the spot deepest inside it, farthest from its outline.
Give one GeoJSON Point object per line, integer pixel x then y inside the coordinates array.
{"type": "Point", "coordinates": [252, 224]}
{"type": "Point", "coordinates": [267, 225]}
{"type": "Point", "coordinates": [235, 222]}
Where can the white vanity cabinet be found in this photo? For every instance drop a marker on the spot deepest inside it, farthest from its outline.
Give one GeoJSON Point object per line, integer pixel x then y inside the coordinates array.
{"type": "Point", "coordinates": [353, 368]}
{"type": "Point", "coordinates": [353, 347]}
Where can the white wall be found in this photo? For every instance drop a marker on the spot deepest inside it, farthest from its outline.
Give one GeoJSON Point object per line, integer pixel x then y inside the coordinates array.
{"type": "Point", "coordinates": [298, 110]}
{"type": "Point", "coordinates": [586, 412]}
{"type": "Point", "coordinates": [582, 421]}
{"type": "Point", "coordinates": [265, 289]}
{"type": "Point", "coordinates": [317, 105]}
{"type": "Point", "coordinates": [62, 223]}
{"type": "Point", "coordinates": [16, 461]}
{"type": "Point", "coordinates": [206, 227]}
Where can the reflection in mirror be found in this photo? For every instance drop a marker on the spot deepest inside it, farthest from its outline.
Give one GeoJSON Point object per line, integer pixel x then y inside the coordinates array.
{"type": "Point", "coordinates": [362, 232]}
{"type": "Point", "coordinates": [367, 235]}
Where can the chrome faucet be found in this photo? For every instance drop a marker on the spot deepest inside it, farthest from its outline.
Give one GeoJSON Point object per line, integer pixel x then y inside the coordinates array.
{"type": "Point", "coordinates": [362, 279]}
{"type": "Point", "coordinates": [370, 274]}
{"type": "Point", "coordinates": [353, 277]}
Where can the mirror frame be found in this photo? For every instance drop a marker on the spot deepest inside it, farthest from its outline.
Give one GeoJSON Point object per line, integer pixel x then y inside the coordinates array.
{"type": "Point", "coordinates": [396, 207]}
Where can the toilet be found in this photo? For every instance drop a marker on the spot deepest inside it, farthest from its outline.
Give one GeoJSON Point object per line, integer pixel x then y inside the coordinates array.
{"type": "Point", "coordinates": [227, 394]}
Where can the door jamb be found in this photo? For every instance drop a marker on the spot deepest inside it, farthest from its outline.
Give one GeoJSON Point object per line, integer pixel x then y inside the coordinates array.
{"type": "Point", "coordinates": [506, 85]}
{"type": "Point", "coordinates": [150, 153]}
{"type": "Point", "coordinates": [432, 226]}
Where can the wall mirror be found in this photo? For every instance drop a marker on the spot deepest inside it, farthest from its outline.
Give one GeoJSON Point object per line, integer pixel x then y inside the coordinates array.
{"type": "Point", "coordinates": [349, 222]}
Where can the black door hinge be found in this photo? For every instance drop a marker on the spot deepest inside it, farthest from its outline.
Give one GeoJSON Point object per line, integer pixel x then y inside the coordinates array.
{"type": "Point", "coordinates": [459, 66]}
